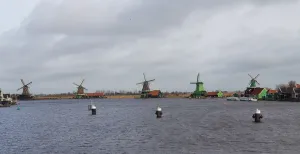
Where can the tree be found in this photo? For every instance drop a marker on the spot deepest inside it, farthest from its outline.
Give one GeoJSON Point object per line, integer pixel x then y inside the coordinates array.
{"type": "Point", "coordinates": [292, 84]}
{"type": "Point", "coordinates": [281, 87]}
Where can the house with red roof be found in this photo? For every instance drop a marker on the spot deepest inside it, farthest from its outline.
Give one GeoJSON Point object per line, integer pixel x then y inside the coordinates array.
{"type": "Point", "coordinates": [218, 94]}
{"type": "Point", "coordinates": [228, 94]}
{"type": "Point", "coordinates": [259, 93]}
{"type": "Point", "coordinates": [271, 94]}
{"type": "Point", "coordinates": [155, 94]}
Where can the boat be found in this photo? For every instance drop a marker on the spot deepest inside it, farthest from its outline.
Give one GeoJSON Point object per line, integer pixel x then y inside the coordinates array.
{"type": "Point", "coordinates": [244, 99]}
{"type": "Point", "coordinates": [233, 99]}
{"type": "Point", "coordinates": [253, 99]}
{"type": "Point", "coordinates": [6, 100]}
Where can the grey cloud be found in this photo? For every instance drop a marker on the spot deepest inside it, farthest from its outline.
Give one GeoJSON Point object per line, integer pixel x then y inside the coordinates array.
{"type": "Point", "coordinates": [112, 44]}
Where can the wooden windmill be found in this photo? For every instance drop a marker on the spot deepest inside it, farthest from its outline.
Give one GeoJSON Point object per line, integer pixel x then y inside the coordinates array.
{"type": "Point", "coordinates": [145, 83]}
{"type": "Point", "coordinates": [199, 91]}
{"type": "Point", "coordinates": [80, 88]}
{"type": "Point", "coordinates": [253, 81]}
{"type": "Point", "coordinates": [25, 88]}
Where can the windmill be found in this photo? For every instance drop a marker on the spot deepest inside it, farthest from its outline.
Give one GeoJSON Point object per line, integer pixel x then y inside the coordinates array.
{"type": "Point", "coordinates": [80, 88]}
{"type": "Point", "coordinates": [253, 81]}
{"type": "Point", "coordinates": [199, 91]}
{"type": "Point", "coordinates": [145, 83]}
{"type": "Point", "coordinates": [25, 88]}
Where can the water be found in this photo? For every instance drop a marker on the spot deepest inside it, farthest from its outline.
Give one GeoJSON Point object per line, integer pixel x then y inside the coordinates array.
{"type": "Point", "coordinates": [130, 126]}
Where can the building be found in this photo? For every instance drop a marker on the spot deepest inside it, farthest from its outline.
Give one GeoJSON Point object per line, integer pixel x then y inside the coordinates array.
{"type": "Point", "coordinates": [155, 94]}
{"type": "Point", "coordinates": [228, 94]}
{"type": "Point", "coordinates": [258, 93]}
{"type": "Point", "coordinates": [296, 93]}
{"type": "Point", "coordinates": [271, 94]}
{"type": "Point", "coordinates": [286, 93]}
{"type": "Point", "coordinates": [218, 94]}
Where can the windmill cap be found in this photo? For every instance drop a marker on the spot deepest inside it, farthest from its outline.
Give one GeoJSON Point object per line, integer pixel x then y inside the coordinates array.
{"type": "Point", "coordinates": [158, 109]}
{"type": "Point", "coordinates": [257, 111]}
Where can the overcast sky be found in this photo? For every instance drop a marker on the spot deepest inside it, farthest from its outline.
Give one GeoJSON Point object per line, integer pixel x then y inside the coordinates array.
{"type": "Point", "coordinates": [110, 43]}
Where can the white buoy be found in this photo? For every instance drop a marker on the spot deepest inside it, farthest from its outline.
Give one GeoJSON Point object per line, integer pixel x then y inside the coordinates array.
{"type": "Point", "coordinates": [257, 116]}
{"type": "Point", "coordinates": [158, 112]}
{"type": "Point", "coordinates": [93, 108]}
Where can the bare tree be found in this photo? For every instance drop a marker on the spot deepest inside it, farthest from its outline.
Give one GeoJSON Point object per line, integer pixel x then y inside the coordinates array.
{"type": "Point", "coordinates": [281, 87]}
{"type": "Point", "coordinates": [292, 84]}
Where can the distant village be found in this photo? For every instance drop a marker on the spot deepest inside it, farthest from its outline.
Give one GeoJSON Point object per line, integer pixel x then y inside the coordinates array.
{"type": "Point", "coordinates": [282, 92]}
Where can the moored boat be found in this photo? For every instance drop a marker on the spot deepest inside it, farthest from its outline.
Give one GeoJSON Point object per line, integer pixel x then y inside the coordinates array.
{"type": "Point", "coordinates": [244, 99]}
{"type": "Point", "coordinates": [6, 100]}
{"type": "Point", "coordinates": [233, 99]}
{"type": "Point", "coordinates": [253, 99]}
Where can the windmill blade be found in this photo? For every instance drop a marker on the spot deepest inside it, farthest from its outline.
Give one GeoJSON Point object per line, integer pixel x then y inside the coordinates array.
{"type": "Point", "coordinates": [144, 76]}
{"type": "Point", "coordinates": [198, 77]}
{"type": "Point", "coordinates": [84, 88]}
{"type": "Point", "coordinates": [250, 76]}
{"type": "Point", "coordinates": [256, 76]}
{"type": "Point", "coordinates": [20, 88]}
{"type": "Point", "coordinates": [257, 82]}
{"type": "Point", "coordinates": [76, 84]}
{"type": "Point", "coordinates": [28, 84]}
{"type": "Point", "coordinates": [193, 83]}
{"type": "Point", "coordinates": [23, 82]}
{"type": "Point", "coordinates": [82, 82]}
{"type": "Point", "coordinates": [141, 83]}
{"type": "Point", "coordinates": [151, 80]}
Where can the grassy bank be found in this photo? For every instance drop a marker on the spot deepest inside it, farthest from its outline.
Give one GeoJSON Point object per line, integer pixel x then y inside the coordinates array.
{"type": "Point", "coordinates": [49, 97]}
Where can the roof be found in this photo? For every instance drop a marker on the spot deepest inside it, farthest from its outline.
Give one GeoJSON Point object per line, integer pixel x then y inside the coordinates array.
{"type": "Point", "coordinates": [212, 93]}
{"type": "Point", "coordinates": [95, 94]}
{"type": "Point", "coordinates": [270, 91]}
{"type": "Point", "coordinates": [255, 91]}
{"type": "Point", "coordinates": [297, 90]}
{"type": "Point", "coordinates": [297, 85]}
{"type": "Point", "coordinates": [154, 92]}
{"type": "Point", "coordinates": [228, 94]}
{"type": "Point", "coordinates": [286, 90]}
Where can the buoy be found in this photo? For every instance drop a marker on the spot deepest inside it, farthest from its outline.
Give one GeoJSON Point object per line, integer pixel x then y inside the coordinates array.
{"type": "Point", "coordinates": [93, 108]}
{"type": "Point", "coordinates": [257, 116]}
{"type": "Point", "coordinates": [158, 112]}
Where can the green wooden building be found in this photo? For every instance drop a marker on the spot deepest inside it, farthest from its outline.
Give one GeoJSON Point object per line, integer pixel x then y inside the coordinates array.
{"type": "Point", "coordinates": [258, 93]}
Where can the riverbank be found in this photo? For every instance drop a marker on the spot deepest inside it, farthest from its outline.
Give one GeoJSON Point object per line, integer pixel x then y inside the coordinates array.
{"type": "Point", "coordinates": [50, 97]}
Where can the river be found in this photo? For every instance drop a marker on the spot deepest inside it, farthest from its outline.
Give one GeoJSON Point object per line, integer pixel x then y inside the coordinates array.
{"type": "Point", "coordinates": [130, 126]}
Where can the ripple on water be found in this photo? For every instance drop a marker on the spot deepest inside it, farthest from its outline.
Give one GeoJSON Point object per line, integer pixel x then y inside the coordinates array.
{"type": "Point", "coordinates": [130, 126]}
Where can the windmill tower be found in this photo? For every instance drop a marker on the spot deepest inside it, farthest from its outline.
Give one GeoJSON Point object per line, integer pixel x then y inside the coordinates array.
{"type": "Point", "coordinates": [25, 94]}
{"type": "Point", "coordinates": [80, 88]}
{"type": "Point", "coordinates": [1, 95]}
{"type": "Point", "coordinates": [199, 91]}
{"type": "Point", "coordinates": [146, 84]}
{"type": "Point", "coordinates": [253, 90]}
{"type": "Point", "coordinates": [253, 81]}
